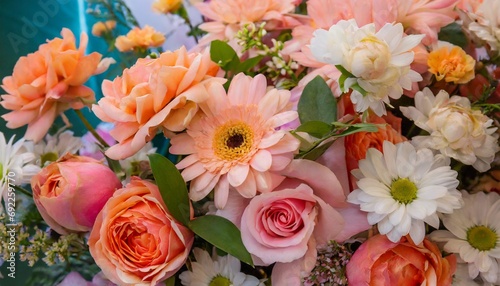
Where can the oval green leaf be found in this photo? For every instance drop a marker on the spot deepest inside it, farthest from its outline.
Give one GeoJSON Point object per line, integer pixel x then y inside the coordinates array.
{"type": "Point", "coordinates": [172, 187]}
{"type": "Point", "coordinates": [223, 234]}
{"type": "Point", "coordinates": [317, 102]}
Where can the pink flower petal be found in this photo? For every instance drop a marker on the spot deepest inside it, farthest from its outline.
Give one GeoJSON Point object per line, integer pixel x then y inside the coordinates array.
{"type": "Point", "coordinates": [238, 174]}
{"type": "Point", "coordinates": [261, 161]}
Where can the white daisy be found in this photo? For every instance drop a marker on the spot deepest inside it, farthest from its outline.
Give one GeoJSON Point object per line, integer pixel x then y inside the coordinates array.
{"type": "Point", "coordinates": [54, 147]}
{"type": "Point", "coordinates": [218, 271]}
{"type": "Point", "coordinates": [403, 188]}
{"type": "Point", "coordinates": [473, 232]}
{"type": "Point", "coordinates": [15, 165]}
{"type": "Point", "coordinates": [378, 61]}
{"type": "Point", "coordinates": [139, 162]}
{"type": "Point", "coordinates": [455, 129]}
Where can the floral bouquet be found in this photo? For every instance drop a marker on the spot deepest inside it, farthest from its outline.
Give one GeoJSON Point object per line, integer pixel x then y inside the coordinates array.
{"type": "Point", "coordinates": [318, 142]}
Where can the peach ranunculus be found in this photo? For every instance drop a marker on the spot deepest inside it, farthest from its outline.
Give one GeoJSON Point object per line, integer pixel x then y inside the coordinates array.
{"type": "Point", "coordinates": [100, 28]}
{"type": "Point", "coordinates": [49, 81]}
{"type": "Point", "coordinates": [166, 6]}
{"type": "Point", "coordinates": [139, 38]}
{"type": "Point", "coordinates": [306, 210]}
{"type": "Point", "coordinates": [452, 64]}
{"type": "Point", "coordinates": [154, 94]}
{"type": "Point", "coordinates": [70, 192]}
{"type": "Point", "coordinates": [379, 262]}
{"type": "Point", "coordinates": [135, 241]}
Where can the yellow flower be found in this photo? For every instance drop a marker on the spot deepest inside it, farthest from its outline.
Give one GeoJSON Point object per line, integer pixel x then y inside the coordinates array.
{"type": "Point", "coordinates": [166, 6]}
{"type": "Point", "coordinates": [140, 38]}
{"type": "Point", "coordinates": [100, 28]}
{"type": "Point", "coordinates": [452, 64]}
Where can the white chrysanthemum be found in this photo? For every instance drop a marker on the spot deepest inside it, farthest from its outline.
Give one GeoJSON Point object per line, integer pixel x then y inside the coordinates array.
{"type": "Point", "coordinates": [15, 166]}
{"type": "Point", "coordinates": [486, 24]}
{"type": "Point", "coordinates": [473, 232]}
{"type": "Point", "coordinates": [455, 129]}
{"type": "Point", "coordinates": [54, 147]}
{"type": "Point", "coordinates": [403, 188]}
{"type": "Point", "coordinates": [379, 61]}
{"type": "Point", "coordinates": [220, 271]}
{"type": "Point", "coordinates": [139, 162]}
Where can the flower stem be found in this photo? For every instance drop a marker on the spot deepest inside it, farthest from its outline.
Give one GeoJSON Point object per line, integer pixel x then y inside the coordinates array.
{"type": "Point", "coordinates": [22, 190]}
{"type": "Point", "coordinates": [90, 128]}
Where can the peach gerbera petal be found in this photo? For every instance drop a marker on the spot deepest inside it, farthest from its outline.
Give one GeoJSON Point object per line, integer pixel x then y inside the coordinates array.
{"type": "Point", "coordinates": [232, 140]}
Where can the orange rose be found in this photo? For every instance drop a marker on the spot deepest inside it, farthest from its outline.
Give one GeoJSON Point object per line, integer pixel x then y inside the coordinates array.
{"type": "Point", "coordinates": [154, 94]}
{"type": "Point", "coordinates": [100, 28]}
{"type": "Point", "coordinates": [380, 262]}
{"type": "Point", "coordinates": [135, 240]}
{"type": "Point", "coordinates": [139, 38]}
{"type": "Point", "coordinates": [166, 6]}
{"type": "Point", "coordinates": [48, 82]}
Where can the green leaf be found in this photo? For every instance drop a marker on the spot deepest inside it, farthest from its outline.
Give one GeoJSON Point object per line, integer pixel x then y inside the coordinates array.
{"type": "Point", "coordinates": [172, 187]}
{"type": "Point", "coordinates": [170, 281]}
{"type": "Point", "coordinates": [454, 34]}
{"type": "Point", "coordinates": [224, 55]}
{"type": "Point", "coordinates": [317, 102]}
{"type": "Point", "coordinates": [317, 129]}
{"type": "Point", "coordinates": [248, 64]}
{"type": "Point", "coordinates": [358, 127]}
{"type": "Point", "coordinates": [223, 234]}
{"type": "Point", "coordinates": [316, 152]}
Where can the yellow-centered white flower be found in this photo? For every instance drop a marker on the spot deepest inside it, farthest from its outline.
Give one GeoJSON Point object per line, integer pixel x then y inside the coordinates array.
{"type": "Point", "coordinates": [403, 188]}
{"type": "Point", "coordinates": [473, 232]}
{"type": "Point", "coordinates": [378, 60]}
{"type": "Point", "coordinates": [455, 129]}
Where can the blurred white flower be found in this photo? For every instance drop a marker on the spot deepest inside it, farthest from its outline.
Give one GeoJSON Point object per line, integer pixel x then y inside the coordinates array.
{"type": "Point", "coordinates": [379, 61]}
{"type": "Point", "coordinates": [455, 129]}
{"type": "Point", "coordinates": [473, 232]}
{"type": "Point", "coordinates": [486, 23]}
{"type": "Point", "coordinates": [403, 188]}
{"type": "Point", "coordinates": [16, 166]}
{"type": "Point", "coordinates": [54, 147]}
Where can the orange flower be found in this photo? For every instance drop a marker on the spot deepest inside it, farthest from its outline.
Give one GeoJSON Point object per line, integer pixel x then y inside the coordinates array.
{"type": "Point", "coordinates": [135, 241]}
{"type": "Point", "coordinates": [154, 94]}
{"type": "Point", "coordinates": [46, 83]}
{"type": "Point", "coordinates": [452, 64]}
{"type": "Point", "coordinates": [100, 28]}
{"type": "Point", "coordinates": [380, 262]}
{"type": "Point", "coordinates": [139, 38]}
{"type": "Point", "coordinates": [167, 6]}
{"type": "Point", "coordinates": [357, 144]}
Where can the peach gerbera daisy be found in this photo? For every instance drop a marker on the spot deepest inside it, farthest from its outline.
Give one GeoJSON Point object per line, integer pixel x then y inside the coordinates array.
{"type": "Point", "coordinates": [237, 144]}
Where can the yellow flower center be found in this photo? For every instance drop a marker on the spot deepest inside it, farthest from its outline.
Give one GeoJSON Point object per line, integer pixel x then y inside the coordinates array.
{"type": "Point", "coordinates": [403, 191]}
{"type": "Point", "coordinates": [48, 157]}
{"type": "Point", "coordinates": [232, 140]}
{"type": "Point", "coordinates": [220, 281]}
{"type": "Point", "coordinates": [482, 238]}
{"type": "Point", "coordinates": [1, 171]}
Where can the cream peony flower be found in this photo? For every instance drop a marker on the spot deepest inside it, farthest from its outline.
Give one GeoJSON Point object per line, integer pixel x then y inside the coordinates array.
{"type": "Point", "coordinates": [474, 233]}
{"type": "Point", "coordinates": [378, 61]}
{"type": "Point", "coordinates": [236, 143]}
{"type": "Point", "coordinates": [403, 188]}
{"type": "Point", "coordinates": [455, 129]}
{"type": "Point", "coordinates": [486, 24]}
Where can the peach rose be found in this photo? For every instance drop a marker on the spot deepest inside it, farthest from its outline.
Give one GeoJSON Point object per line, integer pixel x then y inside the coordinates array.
{"type": "Point", "coordinates": [70, 192]}
{"type": "Point", "coordinates": [49, 81]}
{"type": "Point", "coordinates": [166, 6]}
{"type": "Point", "coordinates": [154, 94]}
{"type": "Point", "coordinates": [135, 241]}
{"type": "Point", "coordinates": [379, 261]}
{"type": "Point", "coordinates": [139, 38]}
{"type": "Point", "coordinates": [100, 28]}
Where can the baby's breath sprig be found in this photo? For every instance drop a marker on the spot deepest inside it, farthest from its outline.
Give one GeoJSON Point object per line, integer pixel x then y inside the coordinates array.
{"type": "Point", "coordinates": [277, 68]}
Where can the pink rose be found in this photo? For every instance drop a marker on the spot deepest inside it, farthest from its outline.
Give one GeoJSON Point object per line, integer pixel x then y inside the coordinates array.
{"type": "Point", "coordinates": [307, 209]}
{"type": "Point", "coordinates": [70, 192]}
{"type": "Point", "coordinates": [379, 261]}
{"type": "Point", "coordinates": [135, 240]}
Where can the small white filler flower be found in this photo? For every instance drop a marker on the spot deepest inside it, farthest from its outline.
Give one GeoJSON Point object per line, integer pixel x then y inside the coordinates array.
{"type": "Point", "coordinates": [403, 188]}
{"type": "Point", "coordinates": [473, 232]}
